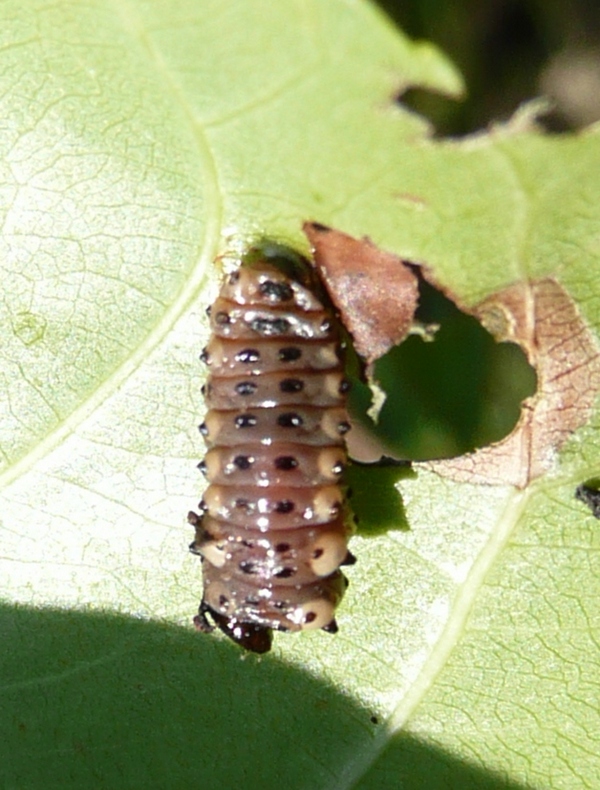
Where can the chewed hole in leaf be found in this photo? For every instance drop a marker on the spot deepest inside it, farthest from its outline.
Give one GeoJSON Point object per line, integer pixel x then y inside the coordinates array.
{"type": "Point", "coordinates": [447, 397]}
{"type": "Point", "coordinates": [431, 105]}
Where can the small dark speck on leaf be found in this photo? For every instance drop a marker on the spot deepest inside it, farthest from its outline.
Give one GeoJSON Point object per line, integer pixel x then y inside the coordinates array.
{"type": "Point", "coordinates": [590, 495]}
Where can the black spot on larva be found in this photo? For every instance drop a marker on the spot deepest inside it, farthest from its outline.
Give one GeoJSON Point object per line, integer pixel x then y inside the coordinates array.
{"type": "Point", "coordinates": [280, 548]}
{"type": "Point", "coordinates": [289, 354]}
{"type": "Point", "coordinates": [204, 355]}
{"type": "Point", "coordinates": [203, 389]}
{"type": "Point", "coordinates": [223, 600]}
{"type": "Point", "coordinates": [246, 566]}
{"type": "Point", "coordinates": [284, 506]}
{"type": "Point", "coordinates": [331, 628]}
{"type": "Point", "coordinates": [343, 427]}
{"type": "Point", "coordinates": [248, 355]}
{"type": "Point", "coordinates": [234, 277]}
{"type": "Point", "coordinates": [374, 720]}
{"type": "Point", "coordinates": [209, 310]}
{"type": "Point", "coordinates": [276, 292]}
{"type": "Point", "coordinates": [291, 385]}
{"type": "Point", "coordinates": [270, 326]}
{"type": "Point", "coordinates": [325, 325]}
{"type": "Point", "coordinates": [243, 504]}
{"type": "Point", "coordinates": [317, 553]}
{"type": "Point", "coordinates": [344, 386]}
{"type": "Point", "coordinates": [337, 468]}
{"type": "Point", "coordinates": [222, 318]}
{"type": "Point", "coordinates": [310, 617]}
{"type": "Point", "coordinates": [279, 604]}
{"type": "Point", "coordinates": [252, 600]}
{"type": "Point", "coordinates": [203, 428]}
{"type": "Point", "coordinates": [320, 228]}
{"type": "Point", "coordinates": [202, 467]}
{"type": "Point", "coordinates": [285, 573]}
{"type": "Point", "coordinates": [290, 420]}
{"type": "Point", "coordinates": [286, 463]}
{"type": "Point", "coordinates": [245, 421]}
{"type": "Point", "coordinates": [203, 506]}
{"type": "Point", "coordinates": [246, 387]}
{"type": "Point", "coordinates": [243, 461]}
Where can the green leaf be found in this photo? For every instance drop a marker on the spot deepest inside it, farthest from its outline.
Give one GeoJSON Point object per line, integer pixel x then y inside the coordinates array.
{"type": "Point", "coordinates": [139, 143]}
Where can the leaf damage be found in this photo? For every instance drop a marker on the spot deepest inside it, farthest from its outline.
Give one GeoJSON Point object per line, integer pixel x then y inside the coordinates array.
{"type": "Point", "coordinates": [375, 292]}
{"type": "Point", "coordinates": [376, 295]}
{"type": "Point", "coordinates": [544, 320]}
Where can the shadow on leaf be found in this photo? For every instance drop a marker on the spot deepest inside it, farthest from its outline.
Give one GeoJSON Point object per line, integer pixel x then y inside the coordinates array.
{"type": "Point", "coordinates": [100, 700]}
{"type": "Point", "coordinates": [375, 501]}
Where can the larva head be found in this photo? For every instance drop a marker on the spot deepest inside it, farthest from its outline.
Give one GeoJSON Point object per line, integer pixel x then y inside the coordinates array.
{"type": "Point", "coordinates": [284, 260]}
{"type": "Point", "coordinates": [273, 275]}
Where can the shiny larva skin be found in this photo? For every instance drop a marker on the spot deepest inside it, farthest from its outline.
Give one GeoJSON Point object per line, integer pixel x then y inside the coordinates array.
{"type": "Point", "coordinates": [273, 527]}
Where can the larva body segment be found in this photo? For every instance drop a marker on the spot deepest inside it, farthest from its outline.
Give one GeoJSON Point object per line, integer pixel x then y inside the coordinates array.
{"type": "Point", "coordinates": [273, 527]}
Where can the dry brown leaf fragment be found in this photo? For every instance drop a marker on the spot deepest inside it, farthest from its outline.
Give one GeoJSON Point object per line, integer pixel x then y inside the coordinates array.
{"type": "Point", "coordinates": [375, 292]}
{"type": "Point", "coordinates": [544, 320]}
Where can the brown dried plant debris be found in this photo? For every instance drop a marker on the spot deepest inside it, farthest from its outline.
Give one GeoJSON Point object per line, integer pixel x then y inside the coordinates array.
{"type": "Point", "coordinates": [374, 291]}
{"type": "Point", "coordinates": [376, 295]}
{"type": "Point", "coordinates": [544, 320]}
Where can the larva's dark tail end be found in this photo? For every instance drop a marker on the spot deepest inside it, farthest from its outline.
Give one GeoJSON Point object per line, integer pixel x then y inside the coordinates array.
{"type": "Point", "coordinates": [250, 636]}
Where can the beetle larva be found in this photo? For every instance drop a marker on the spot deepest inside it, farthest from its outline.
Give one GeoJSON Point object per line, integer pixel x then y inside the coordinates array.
{"type": "Point", "coordinates": [273, 527]}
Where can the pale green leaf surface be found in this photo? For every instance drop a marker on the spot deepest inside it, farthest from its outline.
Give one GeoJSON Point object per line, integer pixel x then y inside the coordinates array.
{"type": "Point", "coordinates": [138, 142]}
